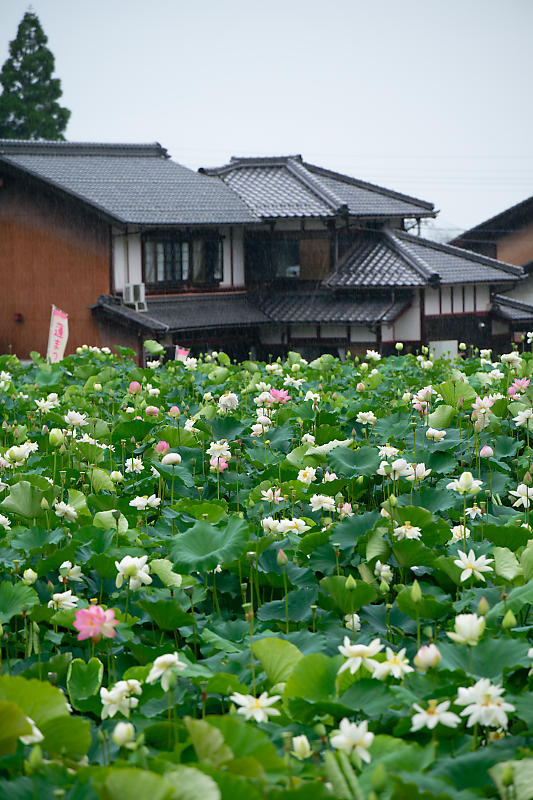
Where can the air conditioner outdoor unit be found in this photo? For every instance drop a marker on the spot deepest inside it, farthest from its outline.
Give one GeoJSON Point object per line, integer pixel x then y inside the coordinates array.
{"type": "Point", "coordinates": [134, 296]}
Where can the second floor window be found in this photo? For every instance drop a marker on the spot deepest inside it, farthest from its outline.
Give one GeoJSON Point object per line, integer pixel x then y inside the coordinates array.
{"type": "Point", "coordinates": [174, 262]}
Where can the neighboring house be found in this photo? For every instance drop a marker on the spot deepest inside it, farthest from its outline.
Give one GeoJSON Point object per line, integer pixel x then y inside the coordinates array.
{"type": "Point", "coordinates": [261, 255]}
{"type": "Point", "coordinates": [508, 237]}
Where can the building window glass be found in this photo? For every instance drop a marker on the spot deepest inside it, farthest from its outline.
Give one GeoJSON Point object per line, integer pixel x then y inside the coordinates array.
{"type": "Point", "coordinates": [173, 261]}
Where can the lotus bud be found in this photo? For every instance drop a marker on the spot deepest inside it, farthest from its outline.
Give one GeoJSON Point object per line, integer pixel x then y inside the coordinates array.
{"type": "Point", "coordinates": [399, 346]}
{"type": "Point", "coordinates": [527, 478]}
{"type": "Point", "coordinates": [97, 387]}
{"type": "Point", "coordinates": [281, 558]}
{"type": "Point", "coordinates": [44, 504]}
{"type": "Point", "coordinates": [507, 776]}
{"type": "Point", "coordinates": [63, 449]}
{"type": "Point", "coordinates": [29, 577]}
{"type": "Point", "coordinates": [393, 501]}
{"type": "Point", "coordinates": [486, 452]}
{"type": "Point", "coordinates": [509, 620]}
{"type": "Point", "coordinates": [134, 387]}
{"type": "Point", "coordinates": [462, 346]}
{"type": "Point", "coordinates": [424, 349]}
{"type": "Point", "coordinates": [364, 367]}
{"type": "Point", "coordinates": [416, 592]}
{"type": "Point", "coordinates": [319, 729]}
{"type": "Point", "coordinates": [151, 411]}
{"type": "Point", "coordinates": [360, 387]}
{"type": "Point", "coordinates": [483, 607]}
{"type": "Point", "coordinates": [351, 583]}
{"type": "Point", "coordinates": [428, 657]}
{"type": "Point", "coordinates": [171, 459]}
{"type": "Point", "coordinates": [301, 748]}
{"type": "Point", "coordinates": [383, 587]}
{"type": "Point", "coordinates": [174, 411]}
{"type": "Point", "coordinates": [56, 437]}
{"type": "Point", "coordinates": [116, 476]}
{"type": "Point", "coordinates": [44, 430]}
{"type": "Point", "coordinates": [35, 760]}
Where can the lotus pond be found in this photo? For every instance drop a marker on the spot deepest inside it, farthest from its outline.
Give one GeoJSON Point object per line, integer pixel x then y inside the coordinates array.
{"type": "Point", "coordinates": [288, 580]}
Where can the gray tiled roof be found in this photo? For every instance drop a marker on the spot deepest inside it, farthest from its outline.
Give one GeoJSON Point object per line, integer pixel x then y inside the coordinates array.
{"type": "Point", "coordinates": [187, 312]}
{"type": "Point", "coordinates": [136, 184]}
{"type": "Point", "coordinates": [455, 265]}
{"type": "Point", "coordinates": [287, 186]}
{"type": "Point", "coordinates": [394, 259]}
{"type": "Point", "coordinates": [323, 307]}
{"type": "Point", "coordinates": [512, 310]}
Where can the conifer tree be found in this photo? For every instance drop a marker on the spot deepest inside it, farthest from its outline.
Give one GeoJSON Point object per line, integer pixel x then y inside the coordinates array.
{"type": "Point", "coordinates": [28, 103]}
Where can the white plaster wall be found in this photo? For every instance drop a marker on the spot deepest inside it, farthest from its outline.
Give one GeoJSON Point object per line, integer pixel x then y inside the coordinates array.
{"type": "Point", "coordinates": [407, 327]}
{"type": "Point", "coordinates": [360, 333]}
{"type": "Point", "coordinates": [523, 291]}
{"type": "Point", "coordinates": [331, 331]}
{"type": "Point", "coordinates": [119, 260]}
{"type": "Point", "coordinates": [457, 299]}
{"type": "Point", "coordinates": [238, 257]}
{"type": "Point", "coordinates": [469, 298]}
{"type": "Point", "coordinates": [303, 331]}
{"type": "Point", "coordinates": [446, 300]}
{"type": "Point", "coordinates": [446, 347]}
{"type": "Point", "coordinates": [431, 301]}
{"type": "Point", "coordinates": [482, 297]}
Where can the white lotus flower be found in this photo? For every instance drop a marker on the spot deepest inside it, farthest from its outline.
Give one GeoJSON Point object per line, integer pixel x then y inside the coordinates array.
{"type": "Point", "coordinates": [468, 629]}
{"type": "Point", "coordinates": [407, 531]}
{"type": "Point", "coordinates": [66, 511]}
{"type": "Point", "coordinates": [219, 449]}
{"type": "Point", "coordinates": [75, 419]}
{"type": "Point", "coordinates": [134, 465]}
{"type": "Point", "coordinates": [164, 668]}
{"type": "Point", "coordinates": [433, 715]}
{"type": "Point", "coordinates": [119, 698]}
{"type": "Point", "coordinates": [321, 502]}
{"type": "Point", "coordinates": [472, 566]}
{"type": "Point", "coordinates": [142, 503]}
{"type": "Point", "coordinates": [133, 569]}
{"type": "Point", "coordinates": [359, 655]}
{"type": "Point", "coordinates": [466, 484]}
{"type": "Point", "coordinates": [523, 494]}
{"type": "Point", "coordinates": [350, 737]}
{"type": "Point", "coordinates": [307, 475]}
{"type": "Point", "coordinates": [35, 736]}
{"type": "Point", "coordinates": [301, 748]}
{"type": "Point", "coordinates": [63, 601]}
{"type": "Point", "coordinates": [366, 418]}
{"type": "Point", "coordinates": [395, 664]}
{"type": "Point", "coordinates": [435, 435]}
{"type": "Point", "coordinates": [256, 708]}
{"type": "Point", "coordinates": [484, 704]}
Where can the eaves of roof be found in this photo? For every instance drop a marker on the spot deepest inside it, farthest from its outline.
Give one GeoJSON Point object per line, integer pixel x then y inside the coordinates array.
{"type": "Point", "coordinates": [511, 309]}
{"type": "Point", "coordinates": [501, 224]}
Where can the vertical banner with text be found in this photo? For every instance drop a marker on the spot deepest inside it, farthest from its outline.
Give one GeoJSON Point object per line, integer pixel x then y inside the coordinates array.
{"type": "Point", "coordinates": [57, 338]}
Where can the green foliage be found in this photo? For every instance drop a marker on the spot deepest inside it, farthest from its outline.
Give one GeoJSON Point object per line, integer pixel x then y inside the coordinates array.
{"type": "Point", "coordinates": [28, 103]}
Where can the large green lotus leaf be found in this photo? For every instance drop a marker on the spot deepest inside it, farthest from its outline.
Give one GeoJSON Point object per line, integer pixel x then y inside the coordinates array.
{"type": "Point", "coordinates": [506, 564]}
{"type": "Point", "coordinates": [237, 787]}
{"type": "Point", "coordinates": [219, 643]}
{"type": "Point", "coordinates": [106, 521]}
{"type": "Point", "coordinates": [218, 375]}
{"type": "Point", "coordinates": [162, 567]}
{"type": "Point", "coordinates": [135, 429]}
{"type": "Point", "coordinates": [228, 428]}
{"type": "Point", "coordinates": [212, 511]}
{"type": "Point", "coordinates": [417, 516]}
{"type": "Point", "coordinates": [191, 784]}
{"type": "Point", "coordinates": [171, 472]}
{"type": "Point", "coordinates": [350, 529]}
{"type": "Point", "coordinates": [167, 614]}
{"type": "Point", "coordinates": [353, 463]}
{"type": "Point", "coordinates": [277, 657]}
{"type": "Point", "coordinates": [47, 707]}
{"type": "Point", "coordinates": [431, 499]}
{"type": "Point", "coordinates": [78, 501]}
{"type": "Point", "coordinates": [313, 678]}
{"type": "Point", "coordinates": [470, 770]}
{"type": "Point", "coordinates": [489, 657]}
{"type": "Point", "coordinates": [441, 417]}
{"type": "Point", "coordinates": [412, 553]}
{"type": "Point", "coordinates": [25, 500]}
{"type": "Point", "coordinates": [442, 463]}
{"type": "Point", "coordinates": [522, 771]}
{"type": "Point", "coordinates": [176, 436]}
{"type": "Point", "coordinates": [203, 546]}
{"type": "Point", "coordinates": [377, 547]}
{"type": "Point", "coordinates": [13, 723]}
{"type": "Point", "coordinates": [208, 742]}
{"type": "Point", "coordinates": [373, 697]}
{"type": "Point", "coordinates": [153, 347]}
{"type": "Point", "coordinates": [504, 446]}
{"type": "Point", "coordinates": [99, 480]}
{"type": "Point", "coordinates": [84, 679]}
{"type": "Point", "coordinates": [454, 391]}
{"type": "Point", "coordinates": [511, 536]}
{"type": "Point", "coordinates": [124, 783]}
{"type": "Point", "coordinates": [299, 604]}
{"type": "Point", "coordinates": [348, 600]}
{"type": "Point", "coordinates": [245, 740]}
{"type": "Point", "coordinates": [14, 599]}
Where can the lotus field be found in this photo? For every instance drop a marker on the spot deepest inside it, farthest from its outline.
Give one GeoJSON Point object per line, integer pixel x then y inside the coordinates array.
{"type": "Point", "coordinates": [286, 580]}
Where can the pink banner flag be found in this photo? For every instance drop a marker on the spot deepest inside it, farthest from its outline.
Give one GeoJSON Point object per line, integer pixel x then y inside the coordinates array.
{"type": "Point", "coordinates": [181, 353]}
{"type": "Point", "coordinates": [58, 336]}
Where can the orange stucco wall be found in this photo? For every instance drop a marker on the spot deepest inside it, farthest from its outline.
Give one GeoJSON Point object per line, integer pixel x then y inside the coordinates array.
{"type": "Point", "coordinates": [517, 248]}
{"type": "Point", "coordinates": [52, 251]}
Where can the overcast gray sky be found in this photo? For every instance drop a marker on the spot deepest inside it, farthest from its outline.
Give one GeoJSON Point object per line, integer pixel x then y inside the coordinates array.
{"type": "Point", "coordinates": [429, 97]}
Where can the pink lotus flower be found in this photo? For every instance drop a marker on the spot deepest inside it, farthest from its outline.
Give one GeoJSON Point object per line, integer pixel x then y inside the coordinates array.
{"type": "Point", "coordinates": [134, 387]}
{"type": "Point", "coordinates": [94, 622]}
{"type": "Point", "coordinates": [181, 353]}
{"type": "Point", "coordinates": [162, 447]}
{"type": "Point", "coordinates": [360, 387]}
{"type": "Point", "coordinates": [218, 464]}
{"type": "Point", "coordinates": [486, 452]}
{"type": "Point", "coordinates": [174, 411]}
{"type": "Point", "coordinates": [280, 395]}
{"type": "Point", "coordinates": [521, 384]}
{"type": "Point", "coordinates": [512, 390]}
{"type": "Point", "coordinates": [151, 411]}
